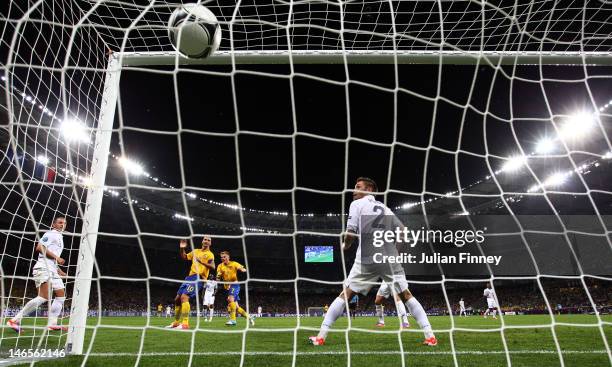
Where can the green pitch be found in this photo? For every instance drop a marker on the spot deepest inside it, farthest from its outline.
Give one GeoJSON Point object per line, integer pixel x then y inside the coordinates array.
{"type": "Point", "coordinates": [478, 342]}
{"type": "Point", "coordinates": [324, 257]}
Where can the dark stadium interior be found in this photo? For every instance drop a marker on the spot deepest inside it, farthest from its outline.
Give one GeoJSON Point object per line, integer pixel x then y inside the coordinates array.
{"type": "Point", "coordinates": [139, 233]}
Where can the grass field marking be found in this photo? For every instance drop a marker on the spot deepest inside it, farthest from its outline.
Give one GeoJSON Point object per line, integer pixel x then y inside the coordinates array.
{"type": "Point", "coordinates": [323, 352]}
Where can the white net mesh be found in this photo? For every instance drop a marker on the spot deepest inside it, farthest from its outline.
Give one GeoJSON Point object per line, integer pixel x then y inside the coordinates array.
{"type": "Point", "coordinates": [264, 157]}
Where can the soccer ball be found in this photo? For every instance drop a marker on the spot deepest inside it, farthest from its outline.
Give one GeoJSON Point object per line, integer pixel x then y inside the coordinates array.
{"type": "Point", "coordinates": [194, 31]}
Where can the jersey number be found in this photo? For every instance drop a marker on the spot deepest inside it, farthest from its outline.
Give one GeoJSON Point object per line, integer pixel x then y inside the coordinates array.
{"type": "Point", "coordinates": [377, 221]}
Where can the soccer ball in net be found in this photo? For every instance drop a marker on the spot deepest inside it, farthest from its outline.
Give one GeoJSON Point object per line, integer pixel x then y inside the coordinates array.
{"type": "Point", "coordinates": [194, 31]}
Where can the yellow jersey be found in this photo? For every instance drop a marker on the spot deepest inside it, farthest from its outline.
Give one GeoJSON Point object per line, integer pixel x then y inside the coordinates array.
{"type": "Point", "coordinates": [199, 257]}
{"type": "Point", "coordinates": [228, 272]}
{"type": "Point", "coordinates": [160, 308]}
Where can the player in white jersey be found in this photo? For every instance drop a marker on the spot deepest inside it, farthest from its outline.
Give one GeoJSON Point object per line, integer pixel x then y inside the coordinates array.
{"type": "Point", "coordinates": [489, 294]}
{"type": "Point", "coordinates": [462, 308]}
{"type": "Point", "coordinates": [363, 276]}
{"type": "Point", "coordinates": [168, 311]}
{"type": "Point", "coordinates": [259, 309]}
{"type": "Point", "coordinates": [46, 273]}
{"type": "Point", "coordinates": [383, 293]}
{"type": "Point", "coordinates": [209, 296]}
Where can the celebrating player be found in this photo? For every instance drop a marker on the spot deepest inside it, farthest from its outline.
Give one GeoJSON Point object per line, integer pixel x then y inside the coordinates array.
{"type": "Point", "coordinates": [227, 271]}
{"type": "Point", "coordinates": [489, 294]}
{"type": "Point", "coordinates": [462, 308]}
{"type": "Point", "coordinates": [209, 298]}
{"type": "Point", "coordinates": [202, 262]}
{"type": "Point", "coordinates": [46, 272]}
{"type": "Point", "coordinates": [362, 276]}
{"type": "Point", "coordinates": [384, 292]}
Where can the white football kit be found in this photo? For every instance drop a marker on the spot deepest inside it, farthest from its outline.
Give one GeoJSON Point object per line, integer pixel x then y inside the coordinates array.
{"type": "Point", "coordinates": [209, 292]}
{"type": "Point", "coordinates": [45, 269]}
{"type": "Point", "coordinates": [462, 305]}
{"type": "Point", "coordinates": [364, 275]}
{"type": "Point", "coordinates": [490, 294]}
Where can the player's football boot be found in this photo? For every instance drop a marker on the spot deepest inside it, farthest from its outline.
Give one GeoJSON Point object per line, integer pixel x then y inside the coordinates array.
{"type": "Point", "coordinates": [315, 340]}
{"type": "Point", "coordinates": [173, 325]}
{"type": "Point", "coordinates": [432, 342]}
{"type": "Point", "coordinates": [231, 323]}
{"type": "Point", "coordinates": [183, 327]}
{"type": "Point", "coordinates": [252, 320]}
{"type": "Point", "coordinates": [380, 324]}
{"type": "Point", "coordinates": [57, 328]}
{"type": "Point", "coordinates": [405, 325]}
{"type": "Point", "coordinates": [14, 325]}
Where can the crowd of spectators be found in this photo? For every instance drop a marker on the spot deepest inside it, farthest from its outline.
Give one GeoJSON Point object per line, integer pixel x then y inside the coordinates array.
{"type": "Point", "coordinates": [142, 296]}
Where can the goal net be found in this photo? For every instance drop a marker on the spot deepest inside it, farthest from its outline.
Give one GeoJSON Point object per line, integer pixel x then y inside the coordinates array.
{"type": "Point", "coordinates": [494, 115]}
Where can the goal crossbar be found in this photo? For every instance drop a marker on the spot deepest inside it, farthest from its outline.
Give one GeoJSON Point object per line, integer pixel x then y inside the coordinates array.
{"type": "Point", "coordinates": [369, 57]}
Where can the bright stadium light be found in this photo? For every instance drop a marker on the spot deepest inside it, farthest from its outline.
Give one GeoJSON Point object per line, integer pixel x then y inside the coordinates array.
{"type": "Point", "coordinates": [577, 125]}
{"type": "Point", "coordinates": [556, 179]}
{"type": "Point", "coordinates": [130, 166]}
{"type": "Point", "coordinates": [183, 217]}
{"type": "Point", "coordinates": [74, 130]}
{"type": "Point", "coordinates": [42, 160]}
{"type": "Point", "coordinates": [514, 163]}
{"type": "Point", "coordinates": [545, 146]}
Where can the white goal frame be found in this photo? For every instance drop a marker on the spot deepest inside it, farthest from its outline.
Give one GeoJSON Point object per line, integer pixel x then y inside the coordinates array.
{"type": "Point", "coordinates": [119, 60]}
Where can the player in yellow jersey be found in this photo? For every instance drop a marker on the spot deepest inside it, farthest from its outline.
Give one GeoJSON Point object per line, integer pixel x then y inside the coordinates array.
{"type": "Point", "coordinates": [227, 271]}
{"type": "Point", "coordinates": [202, 262]}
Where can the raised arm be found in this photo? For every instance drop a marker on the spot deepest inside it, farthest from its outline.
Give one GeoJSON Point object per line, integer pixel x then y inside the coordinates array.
{"type": "Point", "coordinates": [182, 247]}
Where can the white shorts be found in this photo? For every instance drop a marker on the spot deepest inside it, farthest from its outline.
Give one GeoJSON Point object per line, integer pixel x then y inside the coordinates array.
{"type": "Point", "coordinates": [44, 275]}
{"type": "Point", "coordinates": [491, 303]}
{"type": "Point", "coordinates": [462, 309]}
{"type": "Point", "coordinates": [364, 276]}
{"type": "Point", "coordinates": [209, 298]}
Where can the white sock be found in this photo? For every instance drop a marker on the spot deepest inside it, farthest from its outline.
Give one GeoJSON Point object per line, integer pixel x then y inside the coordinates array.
{"type": "Point", "coordinates": [494, 312]}
{"type": "Point", "coordinates": [335, 310]}
{"type": "Point", "coordinates": [56, 309]}
{"type": "Point", "coordinates": [380, 313]}
{"type": "Point", "coordinates": [29, 307]}
{"type": "Point", "coordinates": [419, 314]}
{"type": "Point", "coordinates": [401, 311]}
{"type": "Point", "coordinates": [210, 313]}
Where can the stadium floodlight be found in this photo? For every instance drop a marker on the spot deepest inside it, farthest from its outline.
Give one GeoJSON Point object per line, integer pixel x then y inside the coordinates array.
{"type": "Point", "coordinates": [130, 166]}
{"type": "Point", "coordinates": [577, 125]}
{"type": "Point", "coordinates": [557, 179]}
{"type": "Point", "coordinates": [545, 146]}
{"type": "Point", "coordinates": [183, 217]}
{"type": "Point", "coordinates": [74, 130]}
{"type": "Point", "coordinates": [514, 163]}
{"type": "Point", "coordinates": [44, 160]}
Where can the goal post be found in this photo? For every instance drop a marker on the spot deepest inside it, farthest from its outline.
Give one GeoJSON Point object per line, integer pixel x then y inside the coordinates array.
{"type": "Point", "coordinates": [93, 207]}
{"type": "Point", "coordinates": [315, 311]}
{"type": "Point", "coordinates": [138, 59]}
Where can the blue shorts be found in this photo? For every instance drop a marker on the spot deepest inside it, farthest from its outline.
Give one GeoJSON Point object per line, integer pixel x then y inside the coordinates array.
{"type": "Point", "coordinates": [189, 287]}
{"type": "Point", "coordinates": [234, 290]}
